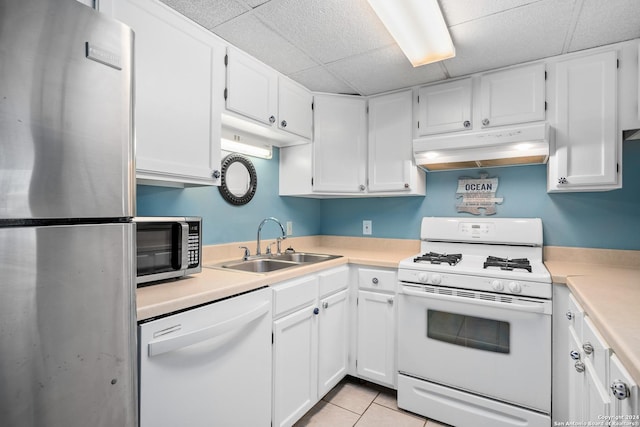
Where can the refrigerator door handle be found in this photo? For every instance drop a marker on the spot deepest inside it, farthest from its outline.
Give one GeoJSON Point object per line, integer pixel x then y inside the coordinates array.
{"type": "Point", "coordinates": [166, 345]}
{"type": "Point", "coordinates": [185, 246]}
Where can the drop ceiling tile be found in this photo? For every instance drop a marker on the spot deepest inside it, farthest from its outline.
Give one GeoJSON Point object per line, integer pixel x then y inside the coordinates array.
{"type": "Point", "coordinates": [326, 30]}
{"type": "Point", "coordinates": [384, 70]}
{"type": "Point", "coordinates": [459, 11]}
{"type": "Point", "coordinates": [601, 23]}
{"type": "Point", "coordinates": [208, 13]}
{"type": "Point", "coordinates": [251, 35]}
{"type": "Point", "coordinates": [318, 79]}
{"type": "Point", "coordinates": [523, 34]}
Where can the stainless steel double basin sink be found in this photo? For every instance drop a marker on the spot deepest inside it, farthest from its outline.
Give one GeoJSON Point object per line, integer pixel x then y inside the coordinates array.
{"type": "Point", "coordinates": [270, 263]}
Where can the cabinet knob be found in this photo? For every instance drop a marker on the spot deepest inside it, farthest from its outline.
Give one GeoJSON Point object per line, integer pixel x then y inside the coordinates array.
{"type": "Point", "coordinates": [575, 355]}
{"type": "Point", "coordinates": [390, 300]}
{"type": "Point", "coordinates": [406, 185]}
{"type": "Point", "coordinates": [325, 305]}
{"type": "Point", "coordinates": [620, 390]}
{"type": "Point", "coordinates": [562, 180]}
{"type": "Point", "coordinates": [485, 122]}
{"type": "Point", "coordinates": [569, 315]}
{"type": "Point", "coordinates": [374, 280]}
{"type": "Point", "coordinates": [283, 123]}
{"type": "Point", "coordinates": [316, 311]}
{"type": "Point", "coordinates": [272, 119]}
{"type": "Point", "coordinates": [579, 367]}
{"type": "Point", "coordinates": [466, 124]}
{"type": "Point", "coordinates": [215, 174]}
{"type": "Point", "coordinates": [587, 347]}
{"type": "Point", "coordinates": [362, 187]}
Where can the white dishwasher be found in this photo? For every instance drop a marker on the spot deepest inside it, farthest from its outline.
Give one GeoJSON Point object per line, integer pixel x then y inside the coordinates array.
{"type": "Point", "coordinates": [209, 366]}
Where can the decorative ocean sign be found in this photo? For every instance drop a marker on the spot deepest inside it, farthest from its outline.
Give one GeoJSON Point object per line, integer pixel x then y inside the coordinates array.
{"type": "Point", "coordinates": [477, 194]}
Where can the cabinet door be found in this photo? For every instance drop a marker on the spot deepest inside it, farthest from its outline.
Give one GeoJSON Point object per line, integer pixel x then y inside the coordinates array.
{"type": "Point", "coordinates": [390, 157]}
{"type": "Point", "coordinates": [295, 112]}
{"type": "Point", "coordinates": [376, 337]}
{"type": "Point", "coordinates": [596, 399]}
{"type": "Point", "coordinates": [512, 96]}
{"type": "Point", "coordinates": [444, 107]}
{"type": "Point", "coordinates": [339, 146]}
{"type": "Point", "coordinates": [333, 341]}
{"type": "Point", "coordinates": [177, 129]}
{"type": "Point", "coordinates": [576, 376]}
{"type": "Point", "coordinates": [252, 87]}
{"type": "Point", "coordinates": [295, 366]}
{"type": "Point", "coordinates": [586, 121]}
{"type": "Point", "coordinates": [621, 381]}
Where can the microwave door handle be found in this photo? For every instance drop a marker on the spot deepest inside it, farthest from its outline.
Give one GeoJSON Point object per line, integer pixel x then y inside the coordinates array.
{"type": "Point", "coordinates": [185, 245]}
{"type": "Point", "coordinates": [537, 308]}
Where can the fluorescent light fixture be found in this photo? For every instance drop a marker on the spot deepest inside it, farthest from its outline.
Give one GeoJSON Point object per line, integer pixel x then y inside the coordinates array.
{"type": "Point", "coordinates": [264, 152]}
{"type": "Point", "coordinates": [418, 27]}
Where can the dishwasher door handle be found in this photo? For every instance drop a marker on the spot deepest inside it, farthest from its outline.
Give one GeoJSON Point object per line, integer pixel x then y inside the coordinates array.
{"type": "Point", "coordinates": [174, 343]}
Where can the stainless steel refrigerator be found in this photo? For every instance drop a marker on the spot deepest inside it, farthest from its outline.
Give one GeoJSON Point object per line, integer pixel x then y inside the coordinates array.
{"type": "Point", "coordinates": [67, 308]}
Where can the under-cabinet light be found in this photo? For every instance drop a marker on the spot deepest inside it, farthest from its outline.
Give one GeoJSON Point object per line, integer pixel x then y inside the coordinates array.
{"type": "Point", "coordinates": [264, 152]}
{"type": "Point", "coordinates": [418, 27]}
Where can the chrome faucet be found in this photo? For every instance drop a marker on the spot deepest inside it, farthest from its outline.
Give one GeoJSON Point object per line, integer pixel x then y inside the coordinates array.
{"type": "Point", "coordinates": [284, 234]}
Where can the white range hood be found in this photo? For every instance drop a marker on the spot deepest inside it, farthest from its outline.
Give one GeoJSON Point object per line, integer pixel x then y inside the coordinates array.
{"type": "Point", "coordinates": [507, 146]}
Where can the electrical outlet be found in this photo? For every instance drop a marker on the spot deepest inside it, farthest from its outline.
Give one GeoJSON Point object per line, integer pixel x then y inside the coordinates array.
{"type": "Point", "coordinates": [367, 227]}
{"type": "Point", "coordinates": [289, 228]}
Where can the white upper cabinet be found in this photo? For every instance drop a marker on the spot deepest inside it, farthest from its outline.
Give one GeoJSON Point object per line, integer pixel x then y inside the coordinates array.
{"type": "Point", "coordinates": [252, 87]}
{"type": "Point", "coordinates": [339, 146]}
{"type": "Point", "coordinates": [295, 109]}
{"type": "Point", "coordinates": [585, 155]}
{"type": "Point", "coordinates": [511, 96]}
{"type": "Point", "coordinates": [390, 159]}
{"type": "Point", "coordinates": [445, 107]}
{"type": "Point", "coordinates": [177, 122]}
{"type": "Point", "coordinates": [499, 98]}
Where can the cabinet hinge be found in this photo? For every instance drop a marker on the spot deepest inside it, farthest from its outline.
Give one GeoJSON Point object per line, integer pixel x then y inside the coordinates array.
{"type": "Point", "coordinates": [226, 60]}
{"type": "Point", "coordinates": [356, 363]}
{"type": "Point", "coordinates": [367, 111]}
{"type": "Point", "coordinates": [545, 105]}
{"type": "Point", "coordinates": [312, 181]}
{"type": "Point", "coordinates": [418, 99]}
{"type": "Point", "coordinates": [617, 63]}
{"type": "Point", "coordinates": [312, 106]}
{"type": "Point", "coordinates": [418, 124]}
{"type": "Point", "coordinates": [545, 75]}
{"type": "Point", "coordinates": [617, 167]}
{"type": "Point", "coordinates": [272, 338]}
{"type": "Point", "coordinates": [225, 93]}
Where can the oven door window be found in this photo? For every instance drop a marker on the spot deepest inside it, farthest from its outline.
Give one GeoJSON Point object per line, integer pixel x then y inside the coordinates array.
{"type": "Point", "coordinates": [468, 331]}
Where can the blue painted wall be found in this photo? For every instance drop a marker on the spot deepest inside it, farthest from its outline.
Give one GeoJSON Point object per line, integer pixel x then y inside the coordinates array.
{"type": "Point", "coordinates": [599, 220]}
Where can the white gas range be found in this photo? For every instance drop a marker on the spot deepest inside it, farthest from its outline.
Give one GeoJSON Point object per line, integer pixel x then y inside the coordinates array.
{"type": "Point", "coordinates": [474, 324]}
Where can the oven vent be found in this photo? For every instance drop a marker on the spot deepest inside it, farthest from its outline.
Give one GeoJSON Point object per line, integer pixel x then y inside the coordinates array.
{"type": "Point", "coordinates": [464, 293]}
{"type": "Point", "coordinates": [467, 294]}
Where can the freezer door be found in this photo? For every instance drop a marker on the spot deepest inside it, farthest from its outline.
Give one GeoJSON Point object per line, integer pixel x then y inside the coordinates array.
{"type": "Point", "coordinates": [67, 340]}
{"type": "Point", "coordinates": [66, 134]}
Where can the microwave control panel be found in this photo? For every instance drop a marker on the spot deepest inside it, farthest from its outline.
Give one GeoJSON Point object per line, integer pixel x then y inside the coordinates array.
{"type": "Point", "coordinates": [193, 246]}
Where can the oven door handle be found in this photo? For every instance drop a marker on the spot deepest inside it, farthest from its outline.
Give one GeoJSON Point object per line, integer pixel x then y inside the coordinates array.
{"type": "Point", "coordinates": [542, 308]}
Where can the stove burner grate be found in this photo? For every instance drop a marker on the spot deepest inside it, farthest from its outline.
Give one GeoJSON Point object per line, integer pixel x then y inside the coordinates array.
{"type": "Point", "coordinates": [436, 258]}
{"type": "Point", "coordinates": [508, 264]}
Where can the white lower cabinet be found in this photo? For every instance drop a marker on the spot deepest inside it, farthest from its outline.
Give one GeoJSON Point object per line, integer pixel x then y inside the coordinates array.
{"type": "Point", "coordinates": [310, 341]}
{"type": "Point", "coordinates": [376, 342]}
{"type": "Point", "coordinates": [599, 387]}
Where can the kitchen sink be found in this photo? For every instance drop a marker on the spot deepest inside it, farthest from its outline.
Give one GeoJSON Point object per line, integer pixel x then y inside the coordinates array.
{"type": "Point", "coordinates": [303, 257]}
{"type": "Point", "coordinates": [275, 262]}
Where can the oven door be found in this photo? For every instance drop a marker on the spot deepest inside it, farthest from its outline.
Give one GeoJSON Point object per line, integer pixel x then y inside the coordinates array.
{"type": "Point", "coordinates": [498, 346]}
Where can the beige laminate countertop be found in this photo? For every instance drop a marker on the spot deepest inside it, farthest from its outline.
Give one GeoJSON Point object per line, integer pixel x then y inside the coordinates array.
{"type": "Point", "coordinates": [610, 296]}
{"type": "Point", "coordinates": [214, 284]}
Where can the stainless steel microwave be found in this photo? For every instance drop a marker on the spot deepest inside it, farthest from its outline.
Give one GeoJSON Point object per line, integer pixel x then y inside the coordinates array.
{"type": "Point", "coordinates": [168, 247]}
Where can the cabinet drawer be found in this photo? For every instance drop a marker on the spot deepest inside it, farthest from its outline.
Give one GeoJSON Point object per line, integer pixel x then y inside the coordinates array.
{"type": "Point", "coordinates": [333, 280]}
{"type": "Point", "coordinates": [596, 349]}
{"type": "Point", "coordinates": [574, 315]}
{"type": "Point", "coordinates": [293, 294]}
{"type": "Point", "coordinates": [381, 280]}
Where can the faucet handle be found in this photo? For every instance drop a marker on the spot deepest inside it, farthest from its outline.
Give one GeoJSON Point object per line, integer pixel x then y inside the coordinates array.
{"type": "Point", "coordinates": [279, 243]}
{"type": "Point", "coordinates": [269, 248]}
{"type": "Point", "coordinates": [247, 252]}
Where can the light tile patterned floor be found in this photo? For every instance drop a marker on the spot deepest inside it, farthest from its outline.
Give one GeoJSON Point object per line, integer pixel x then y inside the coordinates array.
{"type": "Point", "coordinates": [361, 404]}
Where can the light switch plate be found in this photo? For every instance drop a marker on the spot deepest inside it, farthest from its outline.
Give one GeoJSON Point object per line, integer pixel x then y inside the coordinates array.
{"type": "Point", "coordinates": [289, 228]}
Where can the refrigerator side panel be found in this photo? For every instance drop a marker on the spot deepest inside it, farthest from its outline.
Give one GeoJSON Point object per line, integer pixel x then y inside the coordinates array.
{"type": "Point", "coordinates": [67, 326]}
{"type": "Point", "coordinates": [65, 112]}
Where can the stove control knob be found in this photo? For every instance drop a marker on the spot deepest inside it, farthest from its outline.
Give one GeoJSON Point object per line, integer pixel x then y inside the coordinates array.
{"type": "Point", "coordinates": [423, 277]}
{"type": "Point", "coordinates": [515, 287]}
{"type": "Point", "coordinates": [497, 285]}
{"type": "Point", "coordinates": [436, 279]}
